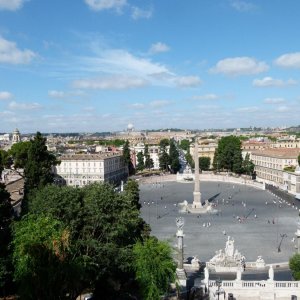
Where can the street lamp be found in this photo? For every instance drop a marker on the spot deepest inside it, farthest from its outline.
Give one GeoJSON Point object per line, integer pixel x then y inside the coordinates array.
{"type": "Point", "coordinates": [282, 237]}
{"type": "Point", "coordinates": [219, 284]}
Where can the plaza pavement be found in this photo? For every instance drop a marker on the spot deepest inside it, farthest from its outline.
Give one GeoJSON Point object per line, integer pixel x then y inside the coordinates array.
{"type": "Point", "coordinates": [258, 234]}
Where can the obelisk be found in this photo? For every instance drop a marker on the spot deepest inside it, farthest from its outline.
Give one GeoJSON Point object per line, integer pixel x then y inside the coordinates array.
{"type": "Point", "coordinates": [197, 195]}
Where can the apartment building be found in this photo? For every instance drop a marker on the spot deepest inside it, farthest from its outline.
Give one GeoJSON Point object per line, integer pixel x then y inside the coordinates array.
{"type": "Point", "coordinates": [82, 169]}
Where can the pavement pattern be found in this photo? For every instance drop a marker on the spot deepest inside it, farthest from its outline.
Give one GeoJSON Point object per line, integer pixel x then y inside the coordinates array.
{"type": "Point", "coordinates": [258, 221]}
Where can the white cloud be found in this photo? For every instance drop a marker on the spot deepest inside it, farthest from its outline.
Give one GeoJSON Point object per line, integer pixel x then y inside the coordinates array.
{"type": "Point", "coordinates": [242, 6]}
{"type": "Point", "coordinates": [99, 5]}
{"type": "Point", "coordinates": [249, 109]}
{"type": "Point", "coordinates": [138, 13]}
{"type": "Point", "coordinates": [206, 97]}
{"type": "Point", "coordinates": [272, 82]}
{"type": "Point", "coordinates": [240, 66]}
{"type": "Point", "coordinates": [11, 4]}
{"type": "Point", "coordinates": [188, 81]}
{"type": "Point", "coordinates": [5, 95]}
{"type": "Point", "coordinates": [9, 53]}
{"type": "Point", "coordinates": [289, 60]}
{"type": "Point", "coordinates": [158, 48]}
{"type": "Point", "coordinates": [122, 62]}
{"type": "Point", "coordinates": [274, 100]}
{"type": "Point", "coordinates": [137, 105]}
{"type": "Point", "coordinates": [106, 83]}
{"type": "Point", "coordinates": [24, 106]}
{"type": "Point", "coordinates": [283, 108]}
{"type": "Point", "coordinates": [61, 94]}
{"type": "Point", "coordinates": [159, 103]}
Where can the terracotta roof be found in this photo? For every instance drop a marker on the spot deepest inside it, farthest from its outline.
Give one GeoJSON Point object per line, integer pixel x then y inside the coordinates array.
{"type": "Point", "coordinates": [278, 152]}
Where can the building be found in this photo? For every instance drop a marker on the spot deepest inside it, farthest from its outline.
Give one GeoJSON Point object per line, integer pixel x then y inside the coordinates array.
{"type": "Point", "coordinates": [153, 152]}
{"type": "Point", "coordinates": [274, 166]}
{"type": "Point", "coordinates": [206, 148]}
{"type": "Point", "coordinates": [82, 169]}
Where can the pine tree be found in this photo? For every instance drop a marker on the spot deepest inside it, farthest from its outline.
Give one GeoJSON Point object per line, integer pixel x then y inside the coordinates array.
{"type": "Point", "coordinates": [148, 161]}
{"type": "Point", "coordinates": [140, 161]}
{"type": "Point", "coordinates": [127, 158]}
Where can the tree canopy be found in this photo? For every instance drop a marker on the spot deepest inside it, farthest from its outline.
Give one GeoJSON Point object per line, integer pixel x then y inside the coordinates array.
{"type": "Point", "coordinates": [185, 145]}
{"type": "Point", "coordinates": [19, 153]}
{"type": "Point", "coordinates": [294, 265]}
{"type": "Point", "coordinates": [174, 157]}
{"type": "Point", "coordinates": [155, 268]}
{"type": "Point", "coordinates": [127, 158]}
{"type": "Point", "coordinates": [204, 163]}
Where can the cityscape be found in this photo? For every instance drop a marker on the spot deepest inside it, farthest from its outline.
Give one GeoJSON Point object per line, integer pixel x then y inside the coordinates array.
{"type": "Point", "coordinates": [149, 150]}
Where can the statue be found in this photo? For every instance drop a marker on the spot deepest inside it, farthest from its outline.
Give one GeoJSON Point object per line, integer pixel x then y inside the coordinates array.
{"type": "Point", "coordinates": [206, 274]}
{"type": "Point", "coordinates": [229, 248]}
{"type": "Point", "coordinates": [238, 274]}
{"type": "Point", "coordinates": [271, 273]}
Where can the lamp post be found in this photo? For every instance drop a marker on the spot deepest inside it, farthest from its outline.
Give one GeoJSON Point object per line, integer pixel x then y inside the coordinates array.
{"type": "Point", "coordinates": [282, 237]}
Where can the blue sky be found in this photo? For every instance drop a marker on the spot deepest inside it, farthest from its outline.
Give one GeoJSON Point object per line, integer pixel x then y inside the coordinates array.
{"type": "Point", "coordinates": [97, 65]}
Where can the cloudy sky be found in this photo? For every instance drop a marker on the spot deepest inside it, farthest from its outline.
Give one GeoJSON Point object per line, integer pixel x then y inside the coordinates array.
{"type": "Point", "coordinates": [97, 65]}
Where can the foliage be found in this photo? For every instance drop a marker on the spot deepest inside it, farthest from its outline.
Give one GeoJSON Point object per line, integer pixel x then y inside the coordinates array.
{"type": "Point", "coordinates": [299, 159]}
{"type": "Point", "coordinates": [289, 169]}
{"type": "Point", "coordinates": [140, 161]}
{"type": "Point", "coordinates": [127, 158]}
{"type": "Point", "coordinates": [228, 155]}
{"type": "Point", "coordinates": [248, 165]}
{"type": "Point", "coordinates": [204, 163]}
{"type": "Point", "coordinates": [19, 153]}
{"type": "Point", "coordinates": [6, 218]}
{"type": "Point", "coordinates": [155, 268]}
{"type": "Point", "coordinates": [190, 160]}
{"type": "Point", "coordinates": [41, 247]}
{"type": "Point", "coordinates": [103, 226]}
{"type": "Point", "coordinates": [148, 161]}
{"type": "Point", "coordinates": [174, 157]}
{"type": "Point", "coordinates": [294, 264]}
{"type": "Point", "coordinates": [185, 145]}
{"type": "Point", "coordinates": [164, 158]}
{"type": "Point", "coordinates": [39, 164]}
{"type": "Point", "coordinates": [4, 160]}
{"type": "Point", "coordinates": [116, 142]}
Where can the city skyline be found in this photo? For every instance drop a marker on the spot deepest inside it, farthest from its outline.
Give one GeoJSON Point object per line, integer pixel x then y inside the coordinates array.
{"type": "Point", "coordinates": [98, 65]}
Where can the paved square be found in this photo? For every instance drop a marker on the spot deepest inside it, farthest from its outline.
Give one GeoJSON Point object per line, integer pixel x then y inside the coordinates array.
{"type": "Point", "coordinates": [264, 219]}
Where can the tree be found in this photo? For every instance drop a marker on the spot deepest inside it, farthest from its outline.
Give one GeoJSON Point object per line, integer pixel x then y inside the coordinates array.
{"type": "Point", "coordinates": [132, 190]}
{"type": "Point", "coordinates": [40, 258]}
{"type": "Point", "coordinates": [4, 160]}
{"type": "Point", "coordinates": [127, 158]}
{"type": "Point", "coordinates": [248, 165]}
{"type": "Point", "coordinates": [185, 145]}
{"type": "Point", "coordinates": [299, 159]}
{"type": "Point", "coordinates": [148, 161]}
{"type": "Point", "coordinates": [204, 163]}
{"type": "Point", "coordinates": [164, 158]}
{"type": "Point", "coordinates": [228, 155]}
{"type": "Point", "coordinates": [174, 157]}
{"type": "Point", "coordinates": [190, 160]}
{"type": "Point", "coordinates": [38, 168]}
{"type": "Point", "coordinates": [19, 153]}
{"type": "Point", "coordinates": [6, 218]}
{"type": "Point", "coordinates": [155, 268]}
{"type": "Point", "coordinates": [294, 265]}
{"type": "Point", "coordinates": [140, 161]}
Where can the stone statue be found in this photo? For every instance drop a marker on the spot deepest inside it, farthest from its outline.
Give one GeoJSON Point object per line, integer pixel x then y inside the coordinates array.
{"type": "Point", "coordinates": [229, 248]}
{"type": "Point", "coordinates": [180, 223]}
{"type": "Point", "coordinates": [206, 274]}
{"type": "Point", "coordinates": [271, 273]}
{"type": "Point", "coordinates": [238, 274]}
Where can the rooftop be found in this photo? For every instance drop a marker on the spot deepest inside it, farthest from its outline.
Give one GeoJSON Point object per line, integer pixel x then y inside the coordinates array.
{"type": "Point", "coordinates": [279, 152]}
{"type": "Point", "coordinates": [99, 156]}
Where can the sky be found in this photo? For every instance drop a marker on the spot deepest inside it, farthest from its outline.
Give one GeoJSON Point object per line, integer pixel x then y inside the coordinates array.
{"type": "Point", "coordinates": [98, 65]}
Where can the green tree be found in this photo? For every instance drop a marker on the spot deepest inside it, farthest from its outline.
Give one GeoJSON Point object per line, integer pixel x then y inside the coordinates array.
{"type": "Point", "coordinates": [228, 155]}
{"type": "Point", "coordinates": [204, 163]}
{"type": "Point", "coordinates": [38, 168]}
{"type": "Point", "coordinates": [164, 158]}
{"type": "Point", "coordinates": [148, 161]}
{"type": "Point", "coordinates": [190, 160]}
{"type": "Point", "coordinates": [6, 218]}
{"type": "Point", "coordinates": [185, 145]}
{"type": "Point", "coordinates": [19, 153]}
{"type": "Point", "coordinates": [133, 192]}
{"type": "Point", "coordinates": [294, 264]}
{"type": "Point", "coordinates": [41, 246]}
{"type": "Point", "coordinates": [155, 268]}
{"type": "Point", "coordinates": [140, 161]}
{"type": "Point", "coordinates": [248, 165]}
{"type": "Point", "coordinates": [127, 158]}
{"type": "Point", "coordinates": [299, 159]}
{"type": "Point", "coordinates": [174, 157]}
{"type": "Point", "coordinates": [5, 161]}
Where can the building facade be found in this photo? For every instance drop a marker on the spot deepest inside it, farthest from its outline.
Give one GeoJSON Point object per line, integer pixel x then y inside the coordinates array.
{"type": "Point", "coordinates": [270, 165]}
{"type": "Point", "coordinates": [82, 169]}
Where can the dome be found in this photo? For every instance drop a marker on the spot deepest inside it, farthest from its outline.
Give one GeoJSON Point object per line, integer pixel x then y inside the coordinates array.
{"type": "Point", "coordinates": [130, 126]}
